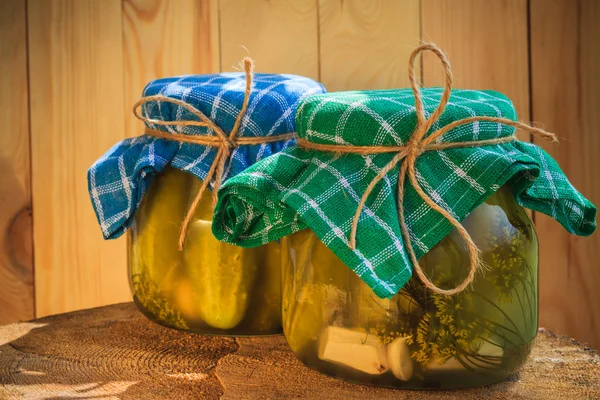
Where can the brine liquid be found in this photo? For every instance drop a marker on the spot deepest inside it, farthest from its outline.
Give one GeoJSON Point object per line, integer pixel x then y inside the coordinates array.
{"type": "Point", "coordinates": [210, 287]}
{"type": "Point", "coordinates": [419, 339]}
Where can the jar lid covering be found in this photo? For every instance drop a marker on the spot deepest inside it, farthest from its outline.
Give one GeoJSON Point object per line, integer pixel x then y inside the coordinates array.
{"type": "Point", "coordinates": [118, 180]}
{"type": "Point", "coordinates": [302, 188]}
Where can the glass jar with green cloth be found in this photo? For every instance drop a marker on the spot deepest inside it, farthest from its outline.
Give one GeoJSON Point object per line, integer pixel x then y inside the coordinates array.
{"type": "Point", "coordinates": [411, 260]}
{"type": "Point", "coordinates": [200, 130]}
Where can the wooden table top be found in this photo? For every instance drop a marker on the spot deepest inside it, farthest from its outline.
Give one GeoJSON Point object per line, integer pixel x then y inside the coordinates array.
{"type": "Point", "coordinates": [113, 352]}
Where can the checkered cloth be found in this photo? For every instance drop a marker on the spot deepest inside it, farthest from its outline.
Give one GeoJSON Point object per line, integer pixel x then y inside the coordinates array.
{"type": "Point", "coordinates": [298, 188]}
{"type": "Point", "coordinates": [118, 180]}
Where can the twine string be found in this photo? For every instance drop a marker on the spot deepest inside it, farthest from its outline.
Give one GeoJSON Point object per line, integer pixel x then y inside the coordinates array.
{"type": "Point", "coordinates": [225, 143]}
{"type": "Point", "coordinates": [407, 156]}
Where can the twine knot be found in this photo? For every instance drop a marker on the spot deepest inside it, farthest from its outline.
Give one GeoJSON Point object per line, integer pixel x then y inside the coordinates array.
{"type": "Point", "coordinates": [230, 144]}
{"type": "Point", "coordinates": [407, 156]}
{"type": "Point", "coordinates": [225, 143]}
{"type": "Point", "coordinates": [414, 149]}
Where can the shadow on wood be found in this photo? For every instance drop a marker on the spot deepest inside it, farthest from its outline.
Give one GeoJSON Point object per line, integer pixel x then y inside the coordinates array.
{"type": "Point", "coordinates": [109, 352]}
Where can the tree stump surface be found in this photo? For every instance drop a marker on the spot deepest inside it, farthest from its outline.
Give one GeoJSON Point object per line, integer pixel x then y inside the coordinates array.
{"type": "Point", "coordinates": [114, 352]}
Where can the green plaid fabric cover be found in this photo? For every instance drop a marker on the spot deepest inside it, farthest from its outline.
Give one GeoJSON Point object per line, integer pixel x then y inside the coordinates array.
{"type": "Point", "coordinates": [297, 188]}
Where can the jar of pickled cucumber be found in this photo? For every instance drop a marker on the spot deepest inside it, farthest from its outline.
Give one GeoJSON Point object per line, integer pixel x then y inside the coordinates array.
{"type": "Point", "coordinates": [417, 339]}
{"type": "Point", "coordinates": [411, 262]}
{"type": "Point", "coordinates": [200, 130]}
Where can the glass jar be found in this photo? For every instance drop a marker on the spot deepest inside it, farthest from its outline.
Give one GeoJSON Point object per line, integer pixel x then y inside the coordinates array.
{"type": "Point", "coordinates": [335, 324]}
{"type": "Point", "coordinates": [210, 287]}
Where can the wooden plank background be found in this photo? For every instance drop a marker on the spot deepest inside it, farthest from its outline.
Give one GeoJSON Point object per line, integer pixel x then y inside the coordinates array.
{"type": "Point", "coordinates": [16, 262]}
{"type": "Point", "coordinates": [77, 111]}
{"type": "Point", "coordinates": [72, 69]}
{"type": "Point", "coordinates": [565, 57]}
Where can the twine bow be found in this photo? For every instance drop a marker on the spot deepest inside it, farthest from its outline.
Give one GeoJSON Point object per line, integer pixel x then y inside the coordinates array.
{"type": "Point", "coordinates": [408, 154]}
{"type": "Point", "coordinates": [224, 142]}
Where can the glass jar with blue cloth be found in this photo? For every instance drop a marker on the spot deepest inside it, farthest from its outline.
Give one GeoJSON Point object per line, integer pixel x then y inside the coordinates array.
{"type": "Point", "coordinates": [200, 130]}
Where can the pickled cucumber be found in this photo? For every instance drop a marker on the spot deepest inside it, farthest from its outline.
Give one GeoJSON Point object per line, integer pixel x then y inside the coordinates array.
{"type": "Point", "coordinates": [302, 311]}
{"type": "Point", "coordinates": [317, 294]}
{"type": "Point", "coordinates": [155, 258]}
{"type": "Point", "coordinates": [154, 243]}
{"type": "Point", "coordinates": [267, 288]}
{"type": "Point", "coordinates": [221, 275]}
{"type": "Point", "coordinates": [370, 312]}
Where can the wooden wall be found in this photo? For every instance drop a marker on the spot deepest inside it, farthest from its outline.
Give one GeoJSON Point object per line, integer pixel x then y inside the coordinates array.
{"type": "Point", "coordinates": [71, 69]}
{"type": "Point", "coordinates": [16, 262]}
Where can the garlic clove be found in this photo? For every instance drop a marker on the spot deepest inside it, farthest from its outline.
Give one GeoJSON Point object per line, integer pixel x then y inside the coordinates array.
{"type": "Point", "coordinates": [399, 360]}
{"type": "Point", "coordinates": [354, 349]}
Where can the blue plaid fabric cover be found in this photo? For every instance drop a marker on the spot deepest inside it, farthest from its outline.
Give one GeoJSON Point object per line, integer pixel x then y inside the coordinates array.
{"type": "Point", "coordinates": [118, 180]}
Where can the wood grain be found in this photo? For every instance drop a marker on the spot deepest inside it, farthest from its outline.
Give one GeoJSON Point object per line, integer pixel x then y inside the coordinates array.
{"type": "Point", "coordinates": [16, 263]}
{"type": "Point", "coordinates": [76, 89]}
{"type": "Point", "coordinates": [365, 44]}
{"type": "Point", "coordinates": [280, 35]}
{"type": "Point", "coordinates": [486, 42]}
{"type": "Point", "coordinates": [163, 38]}
{"type": "Point", "coordinates": [566, 97]}
{"type": "Point", "coordinates": [487, 45]}
{"type": "Point", "coordinates": [120, 354]}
